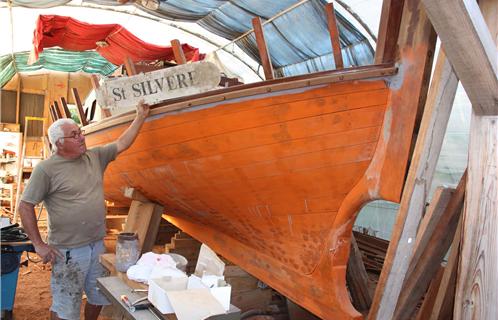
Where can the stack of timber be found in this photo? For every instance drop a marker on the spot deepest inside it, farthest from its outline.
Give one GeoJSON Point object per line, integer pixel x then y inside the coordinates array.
{"type": "Point", "coordinates": [186, 246]}
{"type": "Point", "coordinates": [373, 251]}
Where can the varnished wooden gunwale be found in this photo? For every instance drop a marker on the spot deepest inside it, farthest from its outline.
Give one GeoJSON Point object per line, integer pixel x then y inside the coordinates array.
{"type": "Point", "coordinates": [252, 89]}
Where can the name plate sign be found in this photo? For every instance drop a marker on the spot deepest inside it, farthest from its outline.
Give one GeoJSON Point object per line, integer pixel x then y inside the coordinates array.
{"type": "Point", "coordinates": [156, 86]}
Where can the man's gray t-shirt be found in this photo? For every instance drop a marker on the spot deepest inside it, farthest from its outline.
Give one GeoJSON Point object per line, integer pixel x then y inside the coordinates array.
{"type": "Point", "coordinates": [72, 191]}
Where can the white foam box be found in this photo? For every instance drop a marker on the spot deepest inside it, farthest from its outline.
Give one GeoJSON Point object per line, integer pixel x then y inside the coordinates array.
{"type": "Point", "coordinates": [220, 289]}
{"type": "Point", "coordinates": [158, 288]}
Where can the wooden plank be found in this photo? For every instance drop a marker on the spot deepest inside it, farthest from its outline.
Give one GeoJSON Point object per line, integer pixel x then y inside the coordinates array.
{"type": "Point", "coordinates": [444, 302]}
{"type": "Point", "coordinates": [334, 35]}
{"type": "Point", "coordinates": [423, 164]}
{"type": "Point", "coordinates": [178, 52]}
{"type": "Point", "coordinates": [477, 292]}
{"type": "Point", "coordinates": [430, 297]}
{"type": "Point", "coordinates": [144, 219]}
{"type": "Point", "coordinates": [134, 194]}
{"type": "Point", "coordinates": [264, 54]}
{"type": "Point", "coordinates": [63, 103]}
{"type": "Point", "coordinates": [470, 48]}
{"type": "Point", "coordinates": [79, 107]}
{"type": "Point", "coordinates": [388, 31]}
{"type": "Point", "coordinates": [130, 67]}
{"type": "Point", "coordinates": [53, 113]}
{"type": "Point", "coordinates": [18, 97]}
{"type": "Point", "coordinates": [357, 279]}
{"type": "Point", "coordinates": [433, 214]}
{"type": "Point", "coordinates": [92, 110]}
{"type": "Point", "coordinates": [60, 111]}
{"type": "Point", "coordinates": [417, 282]}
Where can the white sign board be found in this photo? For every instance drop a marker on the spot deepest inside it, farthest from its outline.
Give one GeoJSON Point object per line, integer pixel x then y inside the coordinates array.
{"type": "Point", "coordinates": [153, 87]}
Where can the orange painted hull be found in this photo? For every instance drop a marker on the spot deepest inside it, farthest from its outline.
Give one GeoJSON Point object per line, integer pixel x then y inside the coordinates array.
{"type": "Point", "coordinates": [273, 181]}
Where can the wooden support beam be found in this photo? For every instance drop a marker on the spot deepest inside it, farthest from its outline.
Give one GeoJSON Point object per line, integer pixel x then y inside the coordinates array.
{"type": "Point", "coordinates": [428, 146]}
{"type": "Point", "coordinates": [134, 194]}
{"type": "Point", "coordinates": [56, 111]}
{"type": "Point", "coordinates": [334, 35]}
{"type": "Point", "coordinates": [92, 109]}
{"type": "Point", "coordinates": [95, 81]}
{"type": "Point", "coordinates": [130, 66]}
{"type": "Point", "coordinates": [470, 48]}
{"type": "Point", "coordinates": [178, 52]}
{"type": "Point", "coordinates": [264, 55]}
{"type": "Point", "coordinates": [390, 21]}
{"type": "Point", "coordinates": [430, 297]}
{"type": "Point", "coordinates": [18, 98]}
{"type": "Point", "coordinates": [79, 107]}
{"type": "Point", "coordinates": [443, 305]}
{"type": "Point", "coordinates": [53, 114]}
{"type": "Point", "coordinates": [357, 279]}
{"type": "Point", "coordinates": [433, 214]}
{"type": "Point", "coordinates": [477, 290]}
{"type": "Point", "coordinates": [65, 108]}
{"type": "Point", "coordinates": [60, 111]}
{"type": "Point", "coordinates": [418, 281]}
{"type": "Point", "coordinates": [144, 219]}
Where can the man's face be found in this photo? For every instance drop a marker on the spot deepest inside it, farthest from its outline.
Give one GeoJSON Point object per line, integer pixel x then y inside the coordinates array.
{"type": "Point", "coordinates": [74, 141]}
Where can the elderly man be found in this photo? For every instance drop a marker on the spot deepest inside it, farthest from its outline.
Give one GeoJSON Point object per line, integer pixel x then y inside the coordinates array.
{"type": "Point", "coordinates": [70, 185]}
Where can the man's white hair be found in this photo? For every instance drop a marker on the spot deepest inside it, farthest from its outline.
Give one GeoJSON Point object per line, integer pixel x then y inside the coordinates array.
{"type": "Point", "coordinates": [55, 132]}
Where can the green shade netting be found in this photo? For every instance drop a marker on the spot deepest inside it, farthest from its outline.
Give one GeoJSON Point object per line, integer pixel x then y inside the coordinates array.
{"type": "Point", "coordinates": [54, 59]}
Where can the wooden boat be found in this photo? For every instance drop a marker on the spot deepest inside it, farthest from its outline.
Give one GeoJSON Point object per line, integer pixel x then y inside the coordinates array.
{"type": "Point", "coordinates": [272, 175]}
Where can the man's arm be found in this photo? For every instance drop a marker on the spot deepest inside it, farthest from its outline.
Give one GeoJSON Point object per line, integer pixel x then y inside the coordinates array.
{"type": "Point", "coordinates": [127, 138]}
{"type": "Point", "coordinates": [28, 218]}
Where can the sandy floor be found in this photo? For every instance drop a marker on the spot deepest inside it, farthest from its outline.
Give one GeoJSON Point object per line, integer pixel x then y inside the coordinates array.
{"type": "Point", "coordinates": [33, 298]}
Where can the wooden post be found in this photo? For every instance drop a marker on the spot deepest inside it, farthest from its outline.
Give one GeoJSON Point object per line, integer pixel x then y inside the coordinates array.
{"type": "Point", "coordinates": [264, 55]}
{"type": "Point", "coordinates": [387, 41]}
{"type": "Point", "coordinates": [432, 215]}
{"type": "Point", "coordinates": [178, 52]}
{"type": "Point", "coordinates": [473, 52]}
{"type": "Point", "coordinates": [63, 102]}
{"type": "Point", "coordinates": [56, 111]}
{"type": "Point", "coordinates": [443, 305]}
{"type": "Point", "coordinates": [92, 109]}
{"type": "Point", "coordinates": [431, 295]}
{"type": "Point", "coordinates": [53, 114]}
{"type": "Point", "coordinates": [79, 107]}
{"type": "Point", "coordinates": [130, 67]}
{"type": "Point", "coordinates": [143, 218]}
{"type": "Point", "coordinates": [334, 35]}
{"type": "Point", "coordinates": [480, 223]}
{"type": "Point", "coordinates": [357, 279]}
{"type": "Point", "coordinates": [18, 99]}
{"type": "Point", "coordinates": [60, 112]}
{"type": "Point", "coordinates": [473, 55]}
{"type": "Point", "coordinates": [418, 280]}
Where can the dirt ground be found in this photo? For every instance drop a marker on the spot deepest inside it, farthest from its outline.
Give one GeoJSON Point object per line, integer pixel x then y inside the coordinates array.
{"type": "Point", "coordinates": [33, 298]}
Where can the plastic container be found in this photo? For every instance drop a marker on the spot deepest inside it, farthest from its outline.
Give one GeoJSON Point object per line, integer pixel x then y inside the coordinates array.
{"type": "Point", "coordinates": [181, 261]}
{"type": "Point", "coordinates": [127, 251]}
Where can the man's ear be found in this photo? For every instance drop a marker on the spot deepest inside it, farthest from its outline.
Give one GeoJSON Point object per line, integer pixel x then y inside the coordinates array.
{"type": "Point", "coordinates": [58, 144]}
